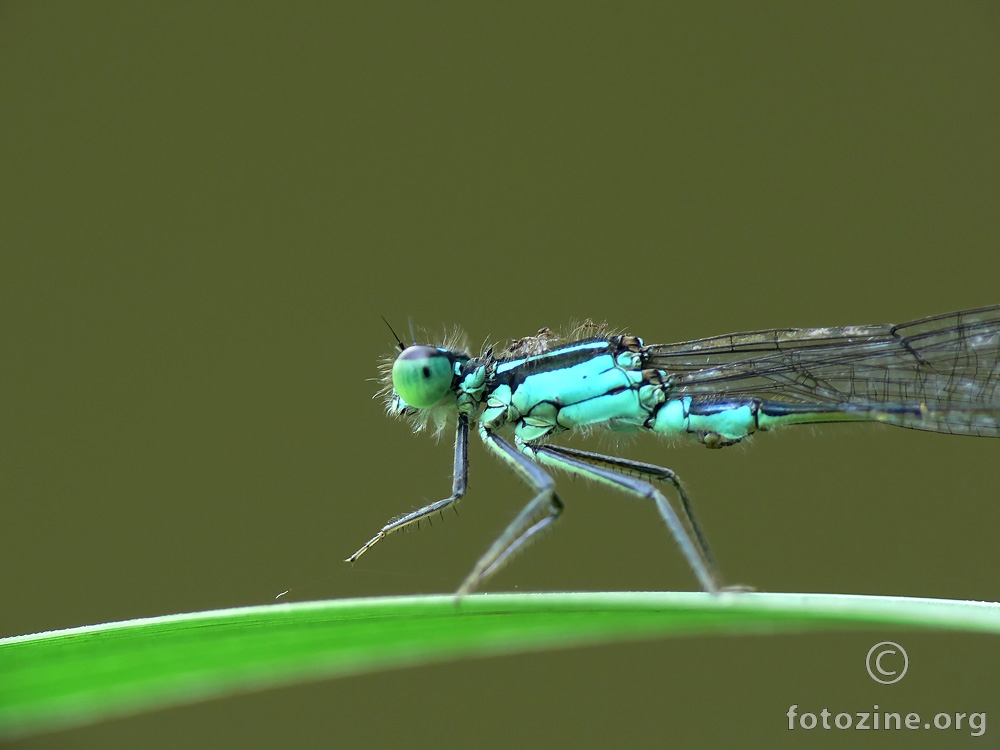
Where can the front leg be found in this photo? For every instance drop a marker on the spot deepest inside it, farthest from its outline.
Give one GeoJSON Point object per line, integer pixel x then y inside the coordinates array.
{"type": "Point", "coordinates": [460, 480]}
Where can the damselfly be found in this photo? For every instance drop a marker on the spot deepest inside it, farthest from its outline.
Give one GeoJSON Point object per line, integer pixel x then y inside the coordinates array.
{"type": "Point", "coordinates": [940, 374]}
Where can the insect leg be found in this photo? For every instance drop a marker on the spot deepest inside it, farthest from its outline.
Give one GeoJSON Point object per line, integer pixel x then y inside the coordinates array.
{"type": "Point", "coordinates": [635, 477]}
{"type": "Point", "coordinates": [543, 509]}
{"type": "Point", "coordinates": [460, 480]}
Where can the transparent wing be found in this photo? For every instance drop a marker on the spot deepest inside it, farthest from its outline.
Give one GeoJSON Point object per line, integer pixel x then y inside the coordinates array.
{"type": "Point", "coordinates": [948, 365]}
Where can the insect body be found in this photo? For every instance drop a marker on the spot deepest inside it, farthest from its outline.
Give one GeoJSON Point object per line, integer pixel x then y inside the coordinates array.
{"type": "Point", "coordinates": [940, 374]}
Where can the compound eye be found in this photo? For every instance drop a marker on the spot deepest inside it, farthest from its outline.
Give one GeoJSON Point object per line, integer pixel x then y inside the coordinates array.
{"type": "Point", "coordinates": [422, 376]}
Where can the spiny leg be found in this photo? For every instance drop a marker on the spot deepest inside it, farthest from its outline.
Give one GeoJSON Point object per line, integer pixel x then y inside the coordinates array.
{"type": "Point", "coordinates": [649, 472]}
{"type": "Point", "coordinates": [594, 466]}
{"type": "Point", "coordinates": [543, 509]}
{"type": "Point", "coordinates": [460, 480]}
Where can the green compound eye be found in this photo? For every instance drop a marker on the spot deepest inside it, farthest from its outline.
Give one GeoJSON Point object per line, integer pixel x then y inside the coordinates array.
{"type": "Point", "coordinates": [422, 375]}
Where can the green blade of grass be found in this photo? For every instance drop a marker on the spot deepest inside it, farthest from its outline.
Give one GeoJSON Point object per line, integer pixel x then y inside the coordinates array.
{"type": "Point", "coordinates": [81, 675]}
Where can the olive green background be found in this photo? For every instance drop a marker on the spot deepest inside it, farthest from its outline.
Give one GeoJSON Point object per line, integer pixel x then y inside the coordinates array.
{"type": "Point", "coordinates": [205, 208]}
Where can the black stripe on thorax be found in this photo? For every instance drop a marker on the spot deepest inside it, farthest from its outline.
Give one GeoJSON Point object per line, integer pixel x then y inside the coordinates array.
{"type": "Point", "coordinates": [556, 359]}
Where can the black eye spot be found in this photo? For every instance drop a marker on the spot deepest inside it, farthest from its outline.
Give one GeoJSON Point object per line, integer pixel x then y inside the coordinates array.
{"type": "Point", "coordinates": [427, 372]}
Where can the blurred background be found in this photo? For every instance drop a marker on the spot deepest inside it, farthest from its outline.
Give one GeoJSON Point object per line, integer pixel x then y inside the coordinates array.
{"type": "Point", "coordinates": [206, 208]}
